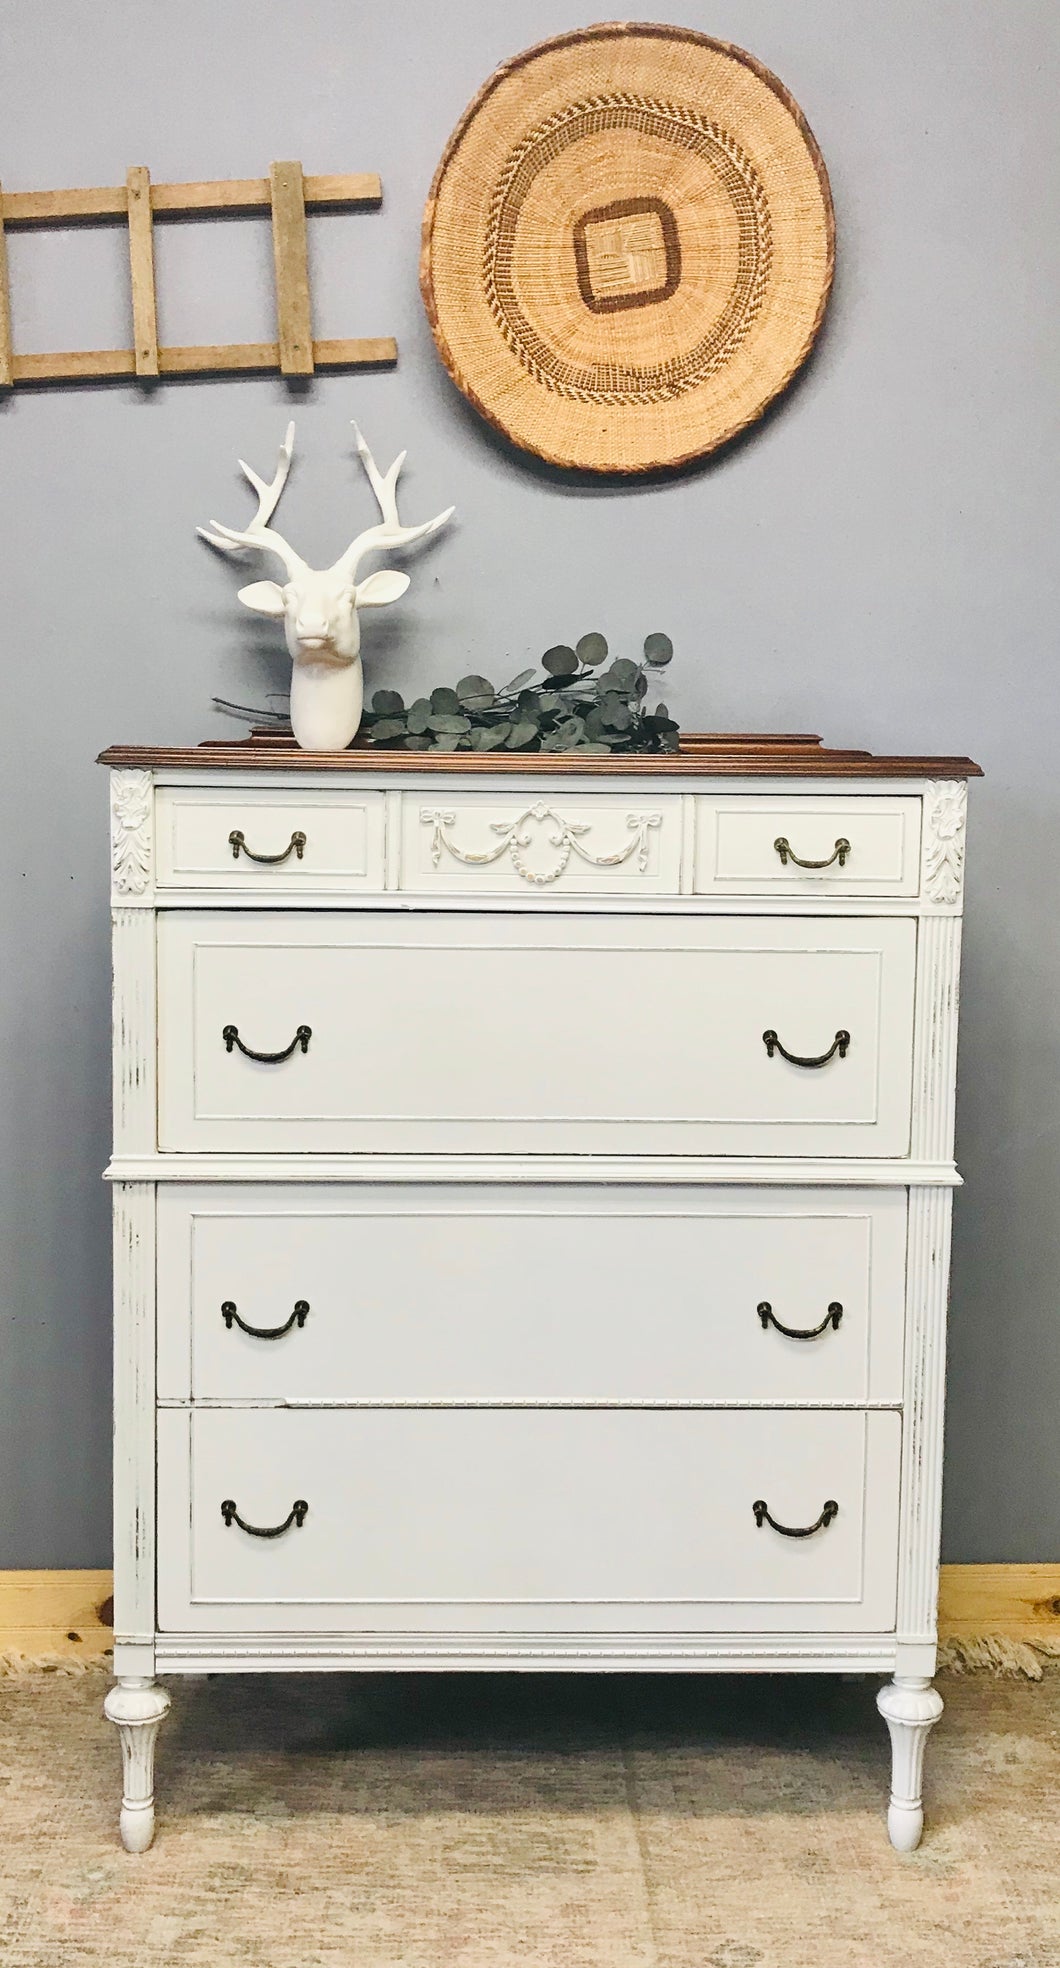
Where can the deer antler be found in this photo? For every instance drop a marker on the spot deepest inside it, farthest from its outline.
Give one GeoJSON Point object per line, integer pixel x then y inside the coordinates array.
{"type": "Point", "coordinates": [390, 533]}
{"type": "Point", "coordinates": [259, 533]}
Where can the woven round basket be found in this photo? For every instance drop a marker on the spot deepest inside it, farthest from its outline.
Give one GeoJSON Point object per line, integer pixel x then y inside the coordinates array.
{"type": "Point", "coordinates": [628, 246]}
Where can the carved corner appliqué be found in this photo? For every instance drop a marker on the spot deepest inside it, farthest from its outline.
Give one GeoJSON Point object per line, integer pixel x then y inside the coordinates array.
{"type": "Point", "coordinates": [945, 814]}
{"type": "Point", "coordinates": [562, 836]}
{"type": "Point", "coordinates": [130, 832]}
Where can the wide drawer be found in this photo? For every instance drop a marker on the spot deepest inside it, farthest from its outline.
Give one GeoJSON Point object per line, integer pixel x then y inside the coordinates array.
{"type": "Point", "coordinates": [530, 1295]}
{"type": "Point", "coordinates": [270, 840]}
{"type": "Point", "coordinates": [523, 1034]}
{"type": "Point", "coordinates": [485, 1519]}
{"type": "Point", "coordinates": [490, 844]}
{"type": "Point", "coordinates": [800, 845]}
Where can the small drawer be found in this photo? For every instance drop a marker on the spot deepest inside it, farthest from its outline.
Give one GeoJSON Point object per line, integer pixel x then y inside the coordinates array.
{"type": "Point", "coordinates": [488, 1519]}
{"type": "Point", "coordinates": [262, 840]}
{"type": "Point", "coordinates": [530, 1294]}
{"type": "Point", "coordinates": [487, 844]}
{"type": "Point", "coordinates": [803, 845]}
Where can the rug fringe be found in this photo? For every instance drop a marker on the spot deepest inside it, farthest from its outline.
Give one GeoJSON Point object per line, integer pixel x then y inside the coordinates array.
{"type": "Point", "coordinates": [999, 1654]}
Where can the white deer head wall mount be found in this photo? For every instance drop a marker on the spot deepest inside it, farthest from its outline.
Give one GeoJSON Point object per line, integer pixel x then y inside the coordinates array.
{"type": "Point", "coordinates": [320, 606]}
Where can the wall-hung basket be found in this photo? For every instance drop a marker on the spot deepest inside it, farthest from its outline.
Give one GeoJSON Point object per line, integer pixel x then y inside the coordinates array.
{"type": "Point", "coordinates": [628, 246]}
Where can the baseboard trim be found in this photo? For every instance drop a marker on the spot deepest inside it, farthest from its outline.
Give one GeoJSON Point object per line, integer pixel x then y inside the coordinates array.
{"type": "Point", "coordinates": [67, 1614]}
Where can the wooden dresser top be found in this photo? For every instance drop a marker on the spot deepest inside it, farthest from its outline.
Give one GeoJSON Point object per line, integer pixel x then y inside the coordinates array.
{"type": "Point", "coordinates": [739, 755]}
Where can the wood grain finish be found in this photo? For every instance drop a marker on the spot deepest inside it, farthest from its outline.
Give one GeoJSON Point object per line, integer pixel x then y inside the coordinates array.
{"type": "Point", "coordinates": [702, 755]}
{"type": "Point", "coordinates": [88, 365]}
{"type": "Point", "coordinates": [291, 262]}
{"type": "Point", "coordinates": [233, 196]}
{"type": "Point", "coordinates": [142, 272]}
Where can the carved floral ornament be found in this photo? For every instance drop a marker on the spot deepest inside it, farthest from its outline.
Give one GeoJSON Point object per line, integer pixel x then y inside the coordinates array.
{"type": "Point", "coordinates": [518, 836]}
{"type": "Point", "coordinates": [945, 815]}
{"type": "Point", "coordinates": [130, 833]}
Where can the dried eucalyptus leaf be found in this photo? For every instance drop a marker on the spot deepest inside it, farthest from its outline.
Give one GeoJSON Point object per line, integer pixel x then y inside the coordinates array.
{"type": "Point", "coordinates": [448, 723]}
{"type": "Point", "coordinates": [616, 714]}
{"type": "Point", "coordinates": [592, 745]}
{"type": "Point", "coordinates": [623, 674]}
{"type": "Point", "coordinates": [521, 735]}
{"type": "Point", "coordinates": [388, 703]}
{"type": "Point", "coordinates": [658, 649]}
{"type": "Point", "coordinates": [559, 661]}
{"type": "Point", "coordinates": [445, 700]}
{"type": "Point", "coordinates": [385, 729]}
{"type": "Point", "coordinates": [476, 693]}
{"type": "Point", "coordinates": [517, 682]}
{"type": "Point", "coordinates": [591, 649]}
{"type": "Point", "coordinates": [419, 716]}
{"type": "Point", "coordinates": [489, 738]}
{"type": "Point", "coordinates": [418, 741]}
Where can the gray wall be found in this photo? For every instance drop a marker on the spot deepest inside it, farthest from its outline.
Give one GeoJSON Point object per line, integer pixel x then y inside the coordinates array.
{"type": "Point", "coordinates": [878, 562]}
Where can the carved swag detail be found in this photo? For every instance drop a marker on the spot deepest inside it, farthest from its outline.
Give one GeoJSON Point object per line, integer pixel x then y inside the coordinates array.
{"type": "Point", "coordinates": [563, 837]}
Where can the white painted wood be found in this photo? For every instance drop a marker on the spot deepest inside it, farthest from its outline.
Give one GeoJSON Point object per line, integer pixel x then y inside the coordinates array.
{"type": "Point", "coordinates": [594, 1510]}
{"type": "Point", "coordinates": [532, 1400]}
{"type": "Point", "coordinates": [134, 1056]}
{"type": "Point", "coordinates": [134, 1427]}
{"type": "Point", "coordinates": [138, 1707]}
{"type": "Point", "coordinates": [935, 1036]}
{"type": "Point", "coordinates": [927, 1282]}
{"type": "Point", "coordinates": [677, 1171]}
{"type": "Point", "coordinates": [132, 839]}
{"type": "Point", "coordinates": [945, 820]}
{"type": "Point", "coordinates": [736, 850]}
{"type": "Point", "coordinates": [570, 1653]}
{"type": "Point", "coordinates": [531, 1295]}
{"type": "Point", "coordinates": [910, 1707]}
{"type": "Point", "coordinates": [482, 843]}
{"type": "Point", "coordinates": [466, 1053]}
{"type": "Point", "coordinates": [342, 852]}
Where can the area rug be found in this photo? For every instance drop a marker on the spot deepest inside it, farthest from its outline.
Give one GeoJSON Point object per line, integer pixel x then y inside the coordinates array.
{"type": "Point", "coordinates": [549, 1822]}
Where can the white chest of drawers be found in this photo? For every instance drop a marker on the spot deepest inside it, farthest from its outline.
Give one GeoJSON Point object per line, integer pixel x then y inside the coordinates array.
{"type": "Point", "coordinates": [532, 1190]}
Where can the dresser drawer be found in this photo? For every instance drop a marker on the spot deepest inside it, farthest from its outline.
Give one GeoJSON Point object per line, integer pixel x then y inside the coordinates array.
{"type": "Point", "coordinates": [262, 840]}
{"type": "Point", "coordinates": [524, 1034]}
{"type": "Point", "coordinates": [484, 1519]}
{"type": "Point", "coordinates": [493, 844]}
{"type": "Point", "coordinates": [530, 1295]}
{"type": "Point", "coordinates": [802, 845]}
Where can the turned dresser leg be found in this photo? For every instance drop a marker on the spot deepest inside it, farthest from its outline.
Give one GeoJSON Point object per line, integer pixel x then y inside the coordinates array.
{"type": "Point", "coordinates": [137, 1706]}
{"type": "Point", "coordinates": [910, 1707]}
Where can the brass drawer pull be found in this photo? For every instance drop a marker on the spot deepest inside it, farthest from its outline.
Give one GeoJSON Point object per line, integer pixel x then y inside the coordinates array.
{"type": "Point", "coordinates": [769, 1318]}
{"type": "Point", "coordinates": [237, 841]}
{"type": "Point", "coordinates": [762, 1516]}
{"type": "Point", "coordinates": [231, 1037]}
{"type": "Point", "coordinates": [298, 1318]}
{"type": "Point", "coordinates": [839, 1044]}
{"type": "Point", "coordinates": [787, 853]}
{"type": "Point", "coordinates": [298, 1515]}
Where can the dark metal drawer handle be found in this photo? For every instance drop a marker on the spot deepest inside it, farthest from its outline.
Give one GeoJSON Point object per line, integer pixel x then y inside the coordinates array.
{"type": "Point", "coordinates": [299, 1513]}
{"type": "Point", "coordinates": [839, 1044]}
{"type": "Point", "coordinates": [237, 841]}
{"type": "Point", "coordinates": [301, 1038]}
{"type": "Point", "coordinates": [769, 1318]}
{"type": "Point", "coordinates": [787, 853]}
{"type": "Point", "coordinates": [762, 1516]}
{"type": "Point", "coordinates": [298, 1318]}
